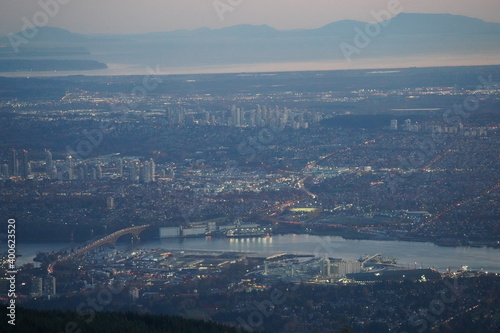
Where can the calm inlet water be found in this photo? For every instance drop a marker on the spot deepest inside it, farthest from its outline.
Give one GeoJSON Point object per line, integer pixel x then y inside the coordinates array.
{"type": "Point", "coordinates": [408, 253]}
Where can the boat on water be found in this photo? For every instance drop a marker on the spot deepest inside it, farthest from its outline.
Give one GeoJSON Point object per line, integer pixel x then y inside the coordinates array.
{"type": "Point", "coordinates": [238, 233]}
{"type": "Point", "coordinates": [241, 230]}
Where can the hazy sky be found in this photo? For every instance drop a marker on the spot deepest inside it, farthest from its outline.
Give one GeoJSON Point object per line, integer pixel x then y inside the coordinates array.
{"type": "Point", "coordinates": [137, 16]}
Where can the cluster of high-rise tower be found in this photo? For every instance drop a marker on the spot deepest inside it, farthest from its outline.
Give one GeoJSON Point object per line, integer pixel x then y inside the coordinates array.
{"type": "Point", "coordinates": [19, 165]}
{"type": "Point", "coordinates": [262, 116]}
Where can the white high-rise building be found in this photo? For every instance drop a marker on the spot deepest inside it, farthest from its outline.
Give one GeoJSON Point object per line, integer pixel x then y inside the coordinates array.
{"type": "Point", "coordinates": [70, 165]}
{"type": "Point", "coordinates": [236, 117]}
{"type": "Point", "coordinates": [394, 124]}
{"type": "Point", "coordinates": [14, 163]}
{"type": "Point", "coordinates": [119, 167]}
{"type": "Point", "coordinates": [36, 287]}
{"type": "Point", "coordinates": [133, 171]}
{"type": "Point", "coordinates": [407, 124]}
{"type": "Point", "coordinates": [325, 267]}
{"type": "Point", "coordinates": [49, 286]}
{"type": "Point", "coordinates": [285, 116]}
{"type": "Point", "coordinates": [110, 203]}
{"type": "Point", "coordinates": [49, 164]}
{"type": "Point", "coordinates": [152, 170]}
{"type": "Point", "coordinates": [98, 171]}
{"type": "Point", "coordinates": [4, 170]}
{"type": "Point", "coordinates": [148, 171]}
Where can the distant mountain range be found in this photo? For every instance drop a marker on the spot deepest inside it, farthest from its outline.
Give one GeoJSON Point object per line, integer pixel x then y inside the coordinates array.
{"type": "Point", "coordinates": [407, 35]}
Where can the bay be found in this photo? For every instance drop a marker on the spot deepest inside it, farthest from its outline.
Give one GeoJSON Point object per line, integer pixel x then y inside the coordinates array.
{"type": "Point", "coordinates": [408, 254]}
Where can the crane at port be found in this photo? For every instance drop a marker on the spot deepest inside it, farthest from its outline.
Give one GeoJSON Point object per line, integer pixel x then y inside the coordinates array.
{"type": "Point", "coordinates": [369, 258]}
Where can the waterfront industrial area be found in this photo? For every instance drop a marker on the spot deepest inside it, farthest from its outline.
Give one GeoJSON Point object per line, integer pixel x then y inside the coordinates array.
{"type": "Point", "coordinates": [230, 286]}
{"type": "Point", "coordinates": [103, 261]}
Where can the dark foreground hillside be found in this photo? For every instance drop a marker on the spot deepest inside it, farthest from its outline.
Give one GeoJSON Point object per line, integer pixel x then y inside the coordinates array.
{"type": "Point", "coordinates": [34, 321]}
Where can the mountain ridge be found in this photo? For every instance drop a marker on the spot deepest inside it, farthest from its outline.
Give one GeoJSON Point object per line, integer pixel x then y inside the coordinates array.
{"type": "Point", "coordinates": [422, 37]}
{"type": "Point", "coordinates": [435, 23]}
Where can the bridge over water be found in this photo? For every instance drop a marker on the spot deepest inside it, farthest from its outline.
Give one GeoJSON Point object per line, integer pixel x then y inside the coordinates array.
{"type": "Point", "coordinates": [110, 239]}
